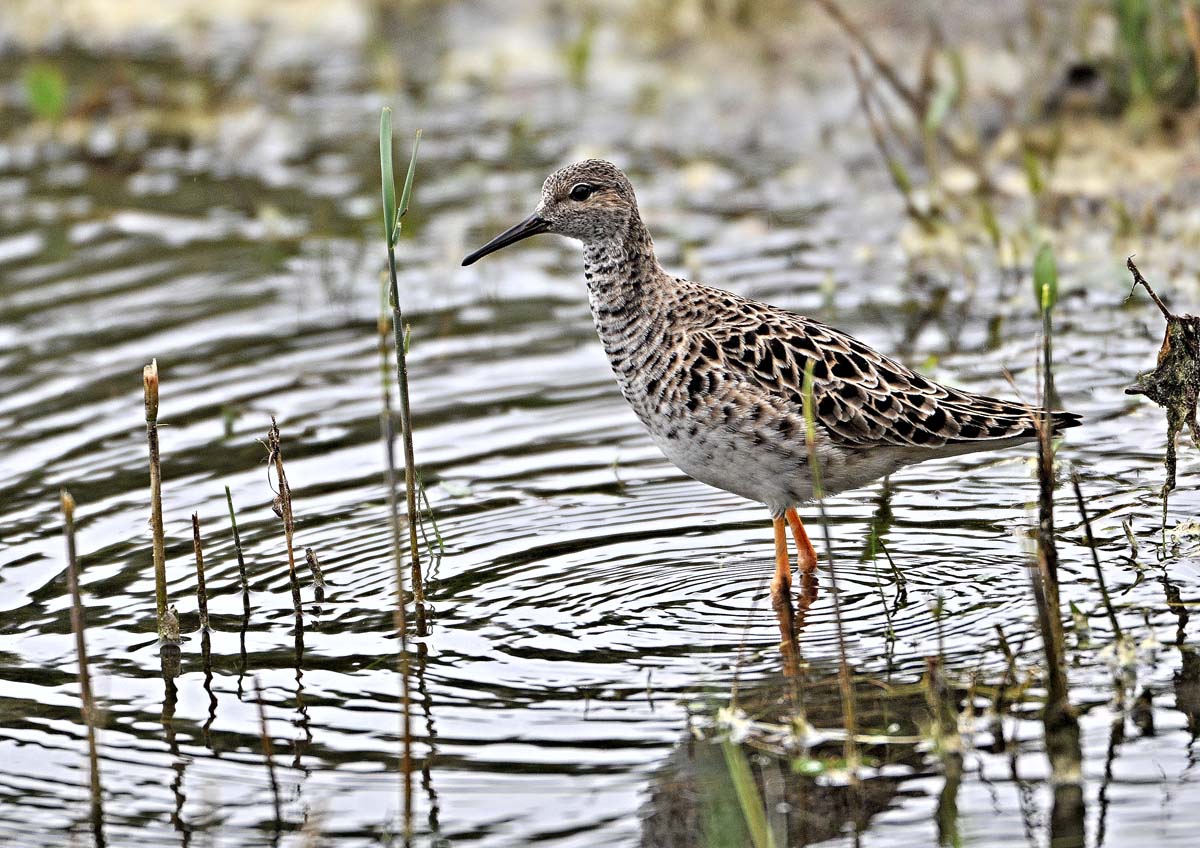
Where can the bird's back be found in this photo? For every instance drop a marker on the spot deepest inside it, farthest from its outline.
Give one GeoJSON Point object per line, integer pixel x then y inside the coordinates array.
{"type": "Point", "coordinates": [718, 379]}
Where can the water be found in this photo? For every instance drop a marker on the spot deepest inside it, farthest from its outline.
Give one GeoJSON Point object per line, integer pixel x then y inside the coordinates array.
{"type": "Point", "coordinates": [590, 596]}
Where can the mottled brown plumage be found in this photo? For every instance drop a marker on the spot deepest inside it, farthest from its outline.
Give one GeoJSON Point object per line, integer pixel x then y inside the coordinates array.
{"type": "Point", "coordinates": [717, 379]}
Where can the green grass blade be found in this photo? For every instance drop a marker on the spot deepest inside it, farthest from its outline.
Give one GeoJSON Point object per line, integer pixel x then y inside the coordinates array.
{"type": "Point", "coordinates": [1045, 277]}
{"type": "Point", "coordinates": [810, 429]}
{"type": "Point", "coordinates": [389, 181]}
{"type": "Point", "coordinates": [406, 194]}
{"type": "Point", "coordinates": [748, 796]}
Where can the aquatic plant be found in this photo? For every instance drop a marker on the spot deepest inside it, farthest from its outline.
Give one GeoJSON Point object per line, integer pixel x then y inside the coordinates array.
{"type": "Point", "coordinates": [393, 215]}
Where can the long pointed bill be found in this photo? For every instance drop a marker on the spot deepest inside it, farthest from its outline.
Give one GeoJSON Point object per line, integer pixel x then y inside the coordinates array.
{"type": "Point", "coordinates": [531, 226]}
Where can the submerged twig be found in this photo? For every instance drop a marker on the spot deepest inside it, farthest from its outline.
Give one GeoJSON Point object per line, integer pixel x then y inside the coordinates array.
{"type": "Point", "coordinates": [87, 702]}
{"type": "Point", "coordinates": [150, 394]}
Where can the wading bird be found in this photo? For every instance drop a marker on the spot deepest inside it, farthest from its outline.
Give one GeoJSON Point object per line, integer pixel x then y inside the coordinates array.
{"type": "Point", "coordinates": [718, 379]}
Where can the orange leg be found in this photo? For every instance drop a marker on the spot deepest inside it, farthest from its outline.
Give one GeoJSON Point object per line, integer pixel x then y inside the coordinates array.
{"type": "Point", "coordinates": [781, 596]}
{"type": "Point", "coordinates": [782, 581]}
{"type": "Point", "coordinates": [806, 557]}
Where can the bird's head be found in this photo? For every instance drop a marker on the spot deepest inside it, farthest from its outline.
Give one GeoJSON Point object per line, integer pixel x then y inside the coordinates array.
{"type": "Point", "coordinates": [590, 201]}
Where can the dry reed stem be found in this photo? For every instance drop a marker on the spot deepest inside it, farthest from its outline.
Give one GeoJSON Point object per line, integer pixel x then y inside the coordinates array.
{"type": "Point", "coordinates": [150, 396]}
{"type": "Point", "coordinates": [201, 588]}
{"type": "Point", "coordinates": [241, 560]}
{"type": "Point", "coordinates": [87, 701]}
{"type": "Point", "coordinates": [283, 508]}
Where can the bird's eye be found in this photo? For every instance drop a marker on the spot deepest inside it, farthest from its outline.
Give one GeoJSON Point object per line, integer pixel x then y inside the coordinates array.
{"type": "Point", "coordinates": [581, 191]}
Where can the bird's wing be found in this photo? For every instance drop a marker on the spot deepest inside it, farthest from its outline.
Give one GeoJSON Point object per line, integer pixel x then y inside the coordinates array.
{"type": "Point", "coordinates": [861, 397]}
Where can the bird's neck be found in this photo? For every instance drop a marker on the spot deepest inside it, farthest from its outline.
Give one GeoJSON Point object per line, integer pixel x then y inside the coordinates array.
{"type": "Point", "coordinates": [621, 271]}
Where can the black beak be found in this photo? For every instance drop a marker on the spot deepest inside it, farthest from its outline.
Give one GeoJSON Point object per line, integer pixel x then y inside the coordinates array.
{"type": "Point", "coordinates": [531, 226]}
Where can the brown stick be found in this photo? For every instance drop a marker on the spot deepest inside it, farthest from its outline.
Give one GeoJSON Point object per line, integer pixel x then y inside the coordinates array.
{"type": "Point", "coordinates": [87, 702]}
{"type": "Point", "coordinates": [150, 394]}
{"type": "Point", "coordinates": [283, 508]}
{"type": "Point", "coordinates": [1138, 279]}
{"type": "Point", "coordinates": [201, 589]}
{"type": "Point", "coordinates": [241, 560]}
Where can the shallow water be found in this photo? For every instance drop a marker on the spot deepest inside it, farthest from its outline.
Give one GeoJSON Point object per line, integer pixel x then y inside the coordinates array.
{"type": "Point", "coordinates": [590, 596]}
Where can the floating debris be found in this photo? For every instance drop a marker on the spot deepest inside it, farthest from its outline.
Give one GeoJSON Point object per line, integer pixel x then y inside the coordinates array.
{"type": "Point", "coordinates": [1174, 384]}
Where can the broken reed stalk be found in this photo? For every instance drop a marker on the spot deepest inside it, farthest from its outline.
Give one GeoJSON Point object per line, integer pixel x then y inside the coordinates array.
{"type": "Point", "coordinates": [283, 508]}
{"type": "Point", "coordinates": [391, 222]}
{"type": "Point", "coordinates": [87, 702]}
{"type": "Point", "coordinates": [1091, 540]}
{"type": "Point", "coordinates": [318, 576]}
{"type": "Point", "coordinates": [241, 560]}
{"type": "Point", "coordinates": [150, 395]}
{"type": "Point", "coordinates": [268, 752]}
{"type": "Point", "coordinates": [392, 215]}
{"type": "Point", "coordinates": [845, 679]}
{"type": "Point", "coordinates": [201, 589]}
{"type": "Point", "coordinates": [1058, 718]}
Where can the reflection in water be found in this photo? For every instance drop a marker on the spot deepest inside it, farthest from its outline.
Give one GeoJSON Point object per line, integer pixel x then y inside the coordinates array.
{"type": "Point", "coordinates": [693, 801]}
{"type": "Point", "coordinates": [206, 655]}
{"type": "Point", "coordinates": [169, 658]}
{"type": "Point", "coordinates": [433, 813]}
{"type": "Point", "coordinates": [305, 738]}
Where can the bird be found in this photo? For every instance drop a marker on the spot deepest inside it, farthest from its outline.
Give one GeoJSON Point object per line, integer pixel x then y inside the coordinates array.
{"type": "Point", "coordinates": [718, 379]}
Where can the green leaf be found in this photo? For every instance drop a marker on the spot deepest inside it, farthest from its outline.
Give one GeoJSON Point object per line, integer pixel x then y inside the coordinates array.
{"type": "Point", "coordinates": [406, 194]}
{"type": "Point", "coordinates": [46, 88]}
{"type": "Point", "coordinates": [810, 430]}
{"type": "Point", "coordinates": [748, 796]}
{"type": "Point", "coordinates": [1045, 277]}
{"type": "Point", "coordinates": [389, 181]}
